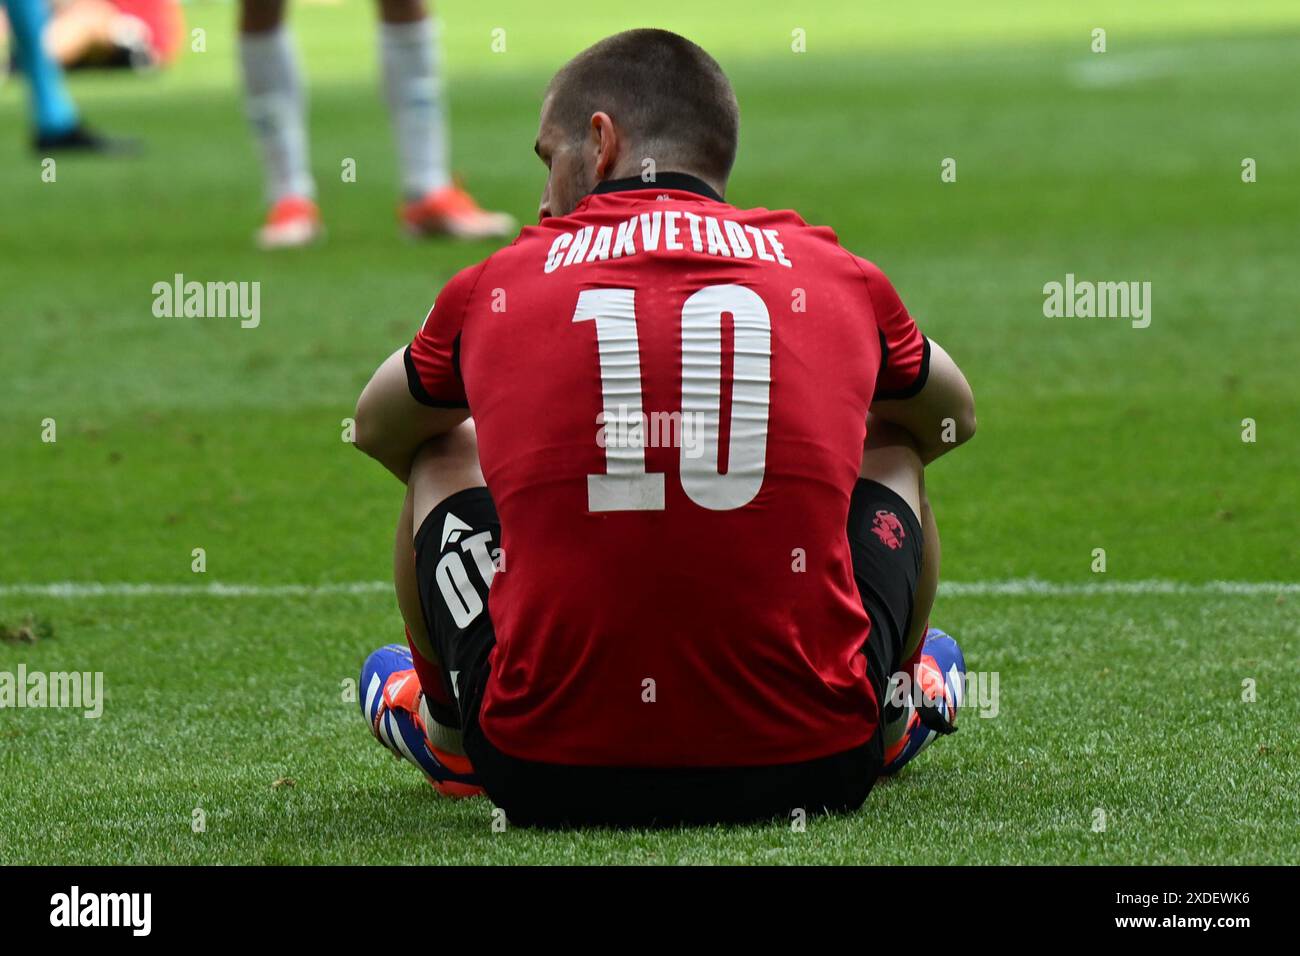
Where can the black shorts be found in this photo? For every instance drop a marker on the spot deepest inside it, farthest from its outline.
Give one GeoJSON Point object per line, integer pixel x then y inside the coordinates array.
{"type": "Point", "coordinates": [463, 532]}
{"type": "Point", "coordinates": [885, 540]}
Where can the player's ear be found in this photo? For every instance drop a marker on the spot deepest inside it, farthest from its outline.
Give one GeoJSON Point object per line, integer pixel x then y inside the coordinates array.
{"type": "Point", "coordinates": [605, 141]}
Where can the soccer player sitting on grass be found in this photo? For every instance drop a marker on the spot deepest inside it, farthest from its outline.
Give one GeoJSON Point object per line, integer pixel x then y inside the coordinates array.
{"type": "Point", "coordinates": [668, 570]}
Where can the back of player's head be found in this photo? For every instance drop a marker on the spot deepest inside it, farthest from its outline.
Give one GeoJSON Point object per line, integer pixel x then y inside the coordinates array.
{"type": "Point", "coordinates": [664, 92]}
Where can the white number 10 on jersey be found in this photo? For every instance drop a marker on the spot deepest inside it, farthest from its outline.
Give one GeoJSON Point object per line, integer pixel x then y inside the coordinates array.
{"type": "Point", "coordinates": [626, 485]}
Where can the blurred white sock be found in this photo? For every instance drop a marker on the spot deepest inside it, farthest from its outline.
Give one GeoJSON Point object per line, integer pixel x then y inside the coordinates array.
{"type": "Point", "coordinates": [277, 110]}
{"type": "Point", "coordinates": [413, 88]}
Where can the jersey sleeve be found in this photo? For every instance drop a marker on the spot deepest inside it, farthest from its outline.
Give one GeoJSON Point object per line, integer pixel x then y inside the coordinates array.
{"type": "Point", "coordinates": [433, 357]}
{"type": "Point", "coordinates": [904, 351]}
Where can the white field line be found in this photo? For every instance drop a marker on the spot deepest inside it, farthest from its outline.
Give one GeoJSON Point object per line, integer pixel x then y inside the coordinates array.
{"type": "Point", "coordinates": [1014, 587]}
{"type": "Point", "coordinates": [1021, 587]}
{"type": "Point", "coordinates": [92, 589]}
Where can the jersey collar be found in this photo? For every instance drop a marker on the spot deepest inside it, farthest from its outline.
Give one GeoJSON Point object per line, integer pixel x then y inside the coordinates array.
{"type": "Point", "coordinates": [681, 182]}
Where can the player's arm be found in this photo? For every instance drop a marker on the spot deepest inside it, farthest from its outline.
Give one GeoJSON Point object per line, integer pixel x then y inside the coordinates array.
{"type": "Point", "coordinates": [391, 424]}
{"type": "Point", "coordinates": [941, 414]}
{"type": "Point", "coordinates": [418, 393]}
{"type": "Point", "coordinates": [919, 387]}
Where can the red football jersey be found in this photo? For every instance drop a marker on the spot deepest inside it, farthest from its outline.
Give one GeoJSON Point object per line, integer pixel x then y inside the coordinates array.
{"type": "Point", "coordinates": [671, 398]}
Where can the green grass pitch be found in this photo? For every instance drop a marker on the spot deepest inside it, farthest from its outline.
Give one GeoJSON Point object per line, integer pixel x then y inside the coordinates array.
{"type": "Point", "coordinates": [175, 434]}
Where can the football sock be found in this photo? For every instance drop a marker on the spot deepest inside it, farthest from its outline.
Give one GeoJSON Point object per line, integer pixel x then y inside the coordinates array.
{"type": "Point", "coordinates": [438, 711]}
{"type": "Point", "coordinates": [277, 111]}
{"type": "Point", "coordinates": [52, 108]}
{"type": "Point", "coordinates": [413, 88]}
{"type": "Point", "coordinates": [430, 675]}
{"type": "Point", "coordinates": [896, 717]}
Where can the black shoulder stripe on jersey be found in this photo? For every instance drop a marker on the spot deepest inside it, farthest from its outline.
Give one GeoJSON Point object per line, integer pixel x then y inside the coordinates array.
{"type": "Point", "coordinates": [418, 391]}
{"type": "Point", "coordinates": [922, 374]}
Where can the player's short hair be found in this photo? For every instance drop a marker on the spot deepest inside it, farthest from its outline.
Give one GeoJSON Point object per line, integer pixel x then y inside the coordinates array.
{"type": "Point", "coordinates": [664, 91]}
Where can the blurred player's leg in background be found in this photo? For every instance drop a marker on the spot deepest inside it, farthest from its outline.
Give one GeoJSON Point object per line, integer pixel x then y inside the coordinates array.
{"type": "Point", "coordinates": [276, 102]}
{"type": "Point", "coordinates": [52, 108]}
{"type": "Point", "coordinates": [54, 116]}
{"type": "Point", "coordinates": [928, 655]}
{"type": "Point", "coordinates": [410, 58]}
{"type": "Point", "coordinates": [411, 704]}
{"type": "Point", "coordinates": [413, 89]}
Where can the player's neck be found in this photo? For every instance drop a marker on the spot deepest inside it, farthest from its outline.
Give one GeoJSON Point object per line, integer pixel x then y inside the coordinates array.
{"type": "Point", "coordinates": [673, 179]}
